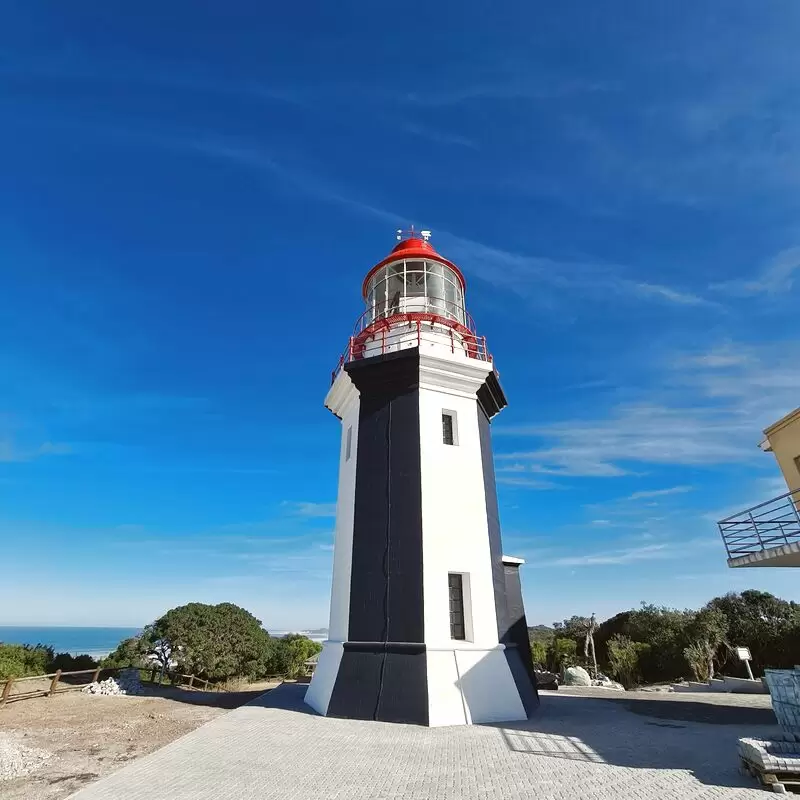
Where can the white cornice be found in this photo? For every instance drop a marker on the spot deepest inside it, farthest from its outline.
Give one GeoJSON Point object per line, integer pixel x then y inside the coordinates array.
{"type": "Point", "coordinates": [458, 376]}
{"type": "Point", "coordinates": [342, 395]}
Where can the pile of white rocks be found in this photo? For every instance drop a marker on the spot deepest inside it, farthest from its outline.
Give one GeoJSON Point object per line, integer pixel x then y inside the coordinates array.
{"type": "Point", "coordinates": [578, 676]}
{"type": "Point", "coordinates": [17, 760]}
{"type": "Point", "coordinates": [126, 683]}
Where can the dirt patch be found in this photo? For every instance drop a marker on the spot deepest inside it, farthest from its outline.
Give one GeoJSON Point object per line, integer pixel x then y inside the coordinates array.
{"type": "Point", "coordinates": [90, 736]}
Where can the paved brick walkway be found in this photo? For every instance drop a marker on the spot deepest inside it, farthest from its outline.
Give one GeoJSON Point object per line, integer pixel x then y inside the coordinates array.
{"type": "Point", "coordinates": [576, 747]}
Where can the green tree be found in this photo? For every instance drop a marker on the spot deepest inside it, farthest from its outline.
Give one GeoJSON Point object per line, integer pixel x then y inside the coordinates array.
{"type": "Point", "coordinates": [131, 652]}
{"type": "Point", "coordinates": [290, 654]}
{"type": "Point", "coordinates": [212, 641]}
{"type": "Point", "coordinates": [562, 654]}
{"type": "Point", "coordinates": [664, 630]}
{"type": "Point", "coordinates": [538, 652]}
{"type": "Point", "coordinates": [623, 657]}
{"type": "Point", "coordinates": [705, 634]}
{"type": "Point", "coordinates": [766, 624]}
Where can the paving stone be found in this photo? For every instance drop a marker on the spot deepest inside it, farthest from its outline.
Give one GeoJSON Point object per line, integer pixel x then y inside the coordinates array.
{"type": "Point", "coordinates": [574, 748]}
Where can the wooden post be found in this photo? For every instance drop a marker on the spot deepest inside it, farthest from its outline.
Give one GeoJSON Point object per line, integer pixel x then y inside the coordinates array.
{"type": "Point", "coordinates": [95, 676]}
{"type": "Point", "coordinates": [191, 681]}
{"type": "Point", "coordinates": [54, 683]}
{"type": "Point", "coordinates": [6, 691]}
{"type": "Point", "coordinates": [153, 675]}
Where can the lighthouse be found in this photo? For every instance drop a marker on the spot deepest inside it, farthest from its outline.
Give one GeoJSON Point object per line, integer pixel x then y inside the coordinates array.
{"type": "Point", "coordinates": [427, 624]}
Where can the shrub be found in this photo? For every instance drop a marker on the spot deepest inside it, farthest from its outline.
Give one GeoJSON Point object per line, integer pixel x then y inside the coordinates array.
{"type": "Point", "coordinates": [21, 660]}
{"type": "Point", "coordinates": [290, 654]}
{"type": "Point", "coordinates": [623, 656]}
{"type": "Point", "coordinates": [539, 652]}
{"type": "Point", "coordinates": [67, 663]}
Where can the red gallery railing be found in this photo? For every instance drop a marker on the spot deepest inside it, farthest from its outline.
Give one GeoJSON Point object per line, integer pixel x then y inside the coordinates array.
{"type": "Point", "coordinates": [399, 331]}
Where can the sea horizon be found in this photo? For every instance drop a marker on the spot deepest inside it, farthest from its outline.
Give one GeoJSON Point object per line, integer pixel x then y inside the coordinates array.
{"type": "Point", "coordinates": [98, 641]}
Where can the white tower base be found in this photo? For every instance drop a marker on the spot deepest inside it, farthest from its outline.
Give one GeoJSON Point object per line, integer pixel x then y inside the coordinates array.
{"type": "Point", "coordinates": [421, 629]}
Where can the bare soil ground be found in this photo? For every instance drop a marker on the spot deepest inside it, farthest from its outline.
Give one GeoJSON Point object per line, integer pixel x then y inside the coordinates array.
{"type": "Point", "coordinates": [90, 736]}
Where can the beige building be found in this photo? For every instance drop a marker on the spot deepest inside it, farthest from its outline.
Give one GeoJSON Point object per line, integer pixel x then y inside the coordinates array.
{"type": "Point", "coordinates": [783, 441]}
{"type": "Point", "coordinates": [768, 534]}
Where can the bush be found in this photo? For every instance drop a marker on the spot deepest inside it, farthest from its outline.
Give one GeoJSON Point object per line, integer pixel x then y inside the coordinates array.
{"type": "Point", "coordinates": [539, 652]}
{"type": "Point", "coordinates": [21, 660]}
{"type": "Point", "coordinates": [562, 653]}
{"type": "Point", "coordinates": [623, 657]}
{"type": "Point", "coordinates": [290, 654]}
{"type": "Point", "coordinates": [67, 663]}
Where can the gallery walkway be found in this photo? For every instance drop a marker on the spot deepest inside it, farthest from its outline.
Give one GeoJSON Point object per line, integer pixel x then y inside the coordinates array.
{"type": "Point", "coordinates": [576, 747]}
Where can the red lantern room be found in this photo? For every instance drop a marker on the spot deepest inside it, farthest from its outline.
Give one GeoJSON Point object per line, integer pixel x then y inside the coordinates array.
{"type": "Point", "coordinates": [415, 298]}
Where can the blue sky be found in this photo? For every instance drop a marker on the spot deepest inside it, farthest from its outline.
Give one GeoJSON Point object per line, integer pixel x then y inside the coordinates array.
{"type": "Point", "coordinates": [191, 197]}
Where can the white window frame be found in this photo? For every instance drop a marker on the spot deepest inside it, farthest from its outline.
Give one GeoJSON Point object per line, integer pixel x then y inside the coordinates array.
{"type": "Point", "coordinates": [466, 599]}
{"type": "Point", "coordinates": [447, 412]}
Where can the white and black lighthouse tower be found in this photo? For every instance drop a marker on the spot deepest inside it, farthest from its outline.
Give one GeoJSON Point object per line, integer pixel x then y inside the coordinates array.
{"type": "Point", "coordinates": [427, 624]}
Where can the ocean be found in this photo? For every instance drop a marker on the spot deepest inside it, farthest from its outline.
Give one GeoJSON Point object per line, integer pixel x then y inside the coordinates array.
{"type": "Point", "coordinates": [97, 642]}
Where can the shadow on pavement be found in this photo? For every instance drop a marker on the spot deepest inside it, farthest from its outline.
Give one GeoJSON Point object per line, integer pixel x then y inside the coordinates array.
{"type": "Point", "coordinates": [641, 733]}
{"type": "Point", "coordinates": [227, 700]}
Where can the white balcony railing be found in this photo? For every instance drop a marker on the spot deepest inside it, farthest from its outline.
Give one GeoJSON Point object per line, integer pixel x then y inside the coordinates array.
{"type": "Point", "coordinates": [767, 525]}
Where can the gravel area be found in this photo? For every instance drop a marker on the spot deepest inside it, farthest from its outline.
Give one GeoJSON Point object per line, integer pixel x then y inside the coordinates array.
{"type": "Point", "coordinates": [51, 747]}
{"type": "Point", "coordinates": [16, 759]}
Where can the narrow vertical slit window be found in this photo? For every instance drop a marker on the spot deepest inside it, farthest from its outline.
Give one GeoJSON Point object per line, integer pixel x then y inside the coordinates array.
{"type": "Point", "coordinates": [455, 585]}
{"type": "Point", "coordinates": [348, 444]}
{"type": "Point", "coordinates": [449, 428]}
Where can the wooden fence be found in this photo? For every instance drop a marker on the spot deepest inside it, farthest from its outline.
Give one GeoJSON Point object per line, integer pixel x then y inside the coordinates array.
{"type": "Point", "coordinates": [177, 679]}
{"type": "Point", "coordinates": [55, 679]}
{"type": "Point", "coordinates": [57, 685]}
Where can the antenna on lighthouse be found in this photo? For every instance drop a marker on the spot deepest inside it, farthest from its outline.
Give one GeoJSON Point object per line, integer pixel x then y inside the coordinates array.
{"type": "Point", "coordinates": [425, 235]}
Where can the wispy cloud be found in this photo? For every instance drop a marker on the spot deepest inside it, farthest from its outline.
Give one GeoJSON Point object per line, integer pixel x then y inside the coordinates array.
{"type": "Point", "coordinates": [708, 408]}
{"type": "Point", "coordinates": [527, 483]}
{"type": "Point", "coordinates": [11, 452]}
{"type": "Point", "coordinates": [657, 551]}
{"type": "Point", "coordinates": [525, 274]}
{"type": "Point", "coordinates": [651, 552]}
{"type": "Point", "coordinates": [670, 295]}
{"type": "Point", "coordinates": [439, 137]}
{"type": "Point", "coordinates": [510, 87]}
{"type": "Point", "coordinates": [520, 273]}
{"type": "Point", "coordinates": [659, 492]}
{"type": "Point", "coordinates": [776, 276]}
{"type": "Point", "coordinates": [307, 509]}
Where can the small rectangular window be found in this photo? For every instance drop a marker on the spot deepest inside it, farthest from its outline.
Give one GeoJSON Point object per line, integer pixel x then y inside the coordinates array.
{"type": "Point", "coordinates": [349, 444]}
{"type": "Point", "coordinates": [797, 463]}
{"type": "Point", "coordinates": [455, 585]}
{"type": "Point", "coordinates": [449, 432]}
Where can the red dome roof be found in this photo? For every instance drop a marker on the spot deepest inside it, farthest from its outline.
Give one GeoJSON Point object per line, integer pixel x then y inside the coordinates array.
{"type": "Point", "coordinates": [412, 248]}
{"type": "Point", "coordinates": [415, 245]}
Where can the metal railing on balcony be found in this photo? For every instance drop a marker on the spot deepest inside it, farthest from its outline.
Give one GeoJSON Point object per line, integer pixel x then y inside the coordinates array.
{"type": "Point", "coordinates": [413, 329]}
{"type": "Point", "coordinates": [767, 525]}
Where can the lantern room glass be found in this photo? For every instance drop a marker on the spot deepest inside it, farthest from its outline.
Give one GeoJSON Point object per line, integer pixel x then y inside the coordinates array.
{"type": "Point", "coordinates": [415, 285]}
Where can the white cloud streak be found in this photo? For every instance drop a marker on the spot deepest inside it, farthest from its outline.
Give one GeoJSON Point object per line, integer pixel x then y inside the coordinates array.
{"type": "Point", "coordinates": [306, 509]}
{"type": "Point", "coordinates": [659, 492]}
{"type": "Point", "coordinates": [777, 276]}
{"type": "Point", "coordinates": [708, 409]}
